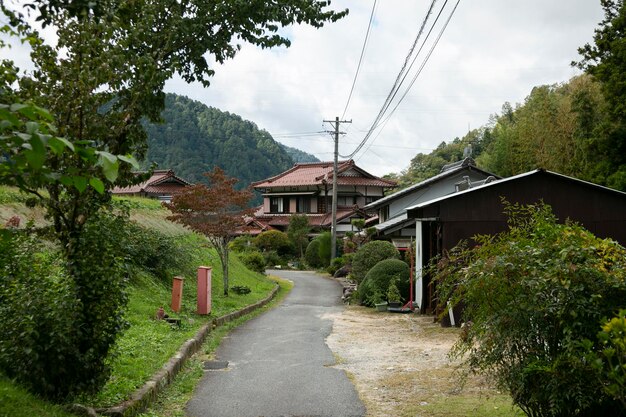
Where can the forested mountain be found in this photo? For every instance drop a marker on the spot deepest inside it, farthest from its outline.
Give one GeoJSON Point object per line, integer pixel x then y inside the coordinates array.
{"type": "Point", "coordinates": [564, 128]}
{"type": "Point", "coordinates": [299, 156]}
{"type": "Point", "coordinates": [195, 138]}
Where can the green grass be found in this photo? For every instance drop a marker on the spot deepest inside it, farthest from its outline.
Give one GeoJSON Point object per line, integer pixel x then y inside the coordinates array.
{"type": "Point", "coordinates": [467, 405]}
{"type": "Point", "coordinates": [16, 401]}
{"type": "Point", "coordinates": [171, 402]}
{"type": "Point", "coordinates": [148, 344]}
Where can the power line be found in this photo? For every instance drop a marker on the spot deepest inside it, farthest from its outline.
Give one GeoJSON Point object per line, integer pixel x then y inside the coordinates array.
{"type": "Point", "coordinates": [419, 71]}
{"type": "Point", "coordinates": [396, 84]}
{"type": "Point", "coordinates": [377, 123]}
{"type": "Point", "coordinates": [367, 34]}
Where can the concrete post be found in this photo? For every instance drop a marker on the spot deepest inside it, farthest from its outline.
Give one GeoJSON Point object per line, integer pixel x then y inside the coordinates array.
{"type": "Point", "coordinates": [177, 294]}
{"type": "Point", "coordinates": [204, 290]}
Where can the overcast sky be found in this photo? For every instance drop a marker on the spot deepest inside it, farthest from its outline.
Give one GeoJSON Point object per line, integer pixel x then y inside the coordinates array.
{"type": "Point", "coordinates": [491, 52]}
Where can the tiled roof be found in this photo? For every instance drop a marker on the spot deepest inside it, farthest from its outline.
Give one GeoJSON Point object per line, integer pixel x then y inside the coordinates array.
{"type": "Point", "coordinates": [161, 182]}
{"type": "Point", "coordinates": [317, 173]}
{"type": "Point", "coordinates": [316, 220]}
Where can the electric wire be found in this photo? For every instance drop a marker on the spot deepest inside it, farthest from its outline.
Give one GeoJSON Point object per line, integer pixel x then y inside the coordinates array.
{"type": "Point", "coordinates": [378, 122]}
{"type": "Point", "coordinates": [365, 41]}
{"type": "Point", "coordinates": [396, 84]}
{"type": "Point", "coordinates": [419, 71]}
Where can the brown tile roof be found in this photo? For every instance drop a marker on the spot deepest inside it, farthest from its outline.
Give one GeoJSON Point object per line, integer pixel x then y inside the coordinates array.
{"type": "Point", "coordinates": [318, 173]}
{"type": "Point", "coordinates": [161, 182]}
{"type": "Point", "coordinates": [315, 220]}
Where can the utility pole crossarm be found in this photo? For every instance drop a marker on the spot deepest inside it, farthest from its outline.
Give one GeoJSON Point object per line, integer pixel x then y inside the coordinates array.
{"type": "Point", "coordinates": [333, 231]}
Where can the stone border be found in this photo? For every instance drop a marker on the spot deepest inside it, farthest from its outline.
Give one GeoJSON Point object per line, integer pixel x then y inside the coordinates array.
{"type": "Point", "coordinates": [147, 394]}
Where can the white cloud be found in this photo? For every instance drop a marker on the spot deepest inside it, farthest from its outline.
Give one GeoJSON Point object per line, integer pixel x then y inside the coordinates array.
{"type": "Point", "coordinates": [492, 51]}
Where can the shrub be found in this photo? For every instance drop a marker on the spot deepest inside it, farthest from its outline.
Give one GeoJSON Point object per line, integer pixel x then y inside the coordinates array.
{"type": "Point", "coordinates": [324, 248]}
{"type": "Point", "coordinates": [242, 244]}
{"type": "Point", "coordinates": [274, 240]}
{"type": "Point", "coordinates": [369, 255]}
{"type": "Point", "coordinates": [312, 254]}
{"type": "Point", "coordinates": [241, 289]}
{"type": "Point", "coordinates": [272, 259]}
{"type": "Point", "coordinates": [378, 280]}
{"type": "Point", "coordinates": [151, 250]}
{"type": "Point", "coordinates": [58, 327]}
{"type": "Point", "coordinates": [253, 260]}
{"type": "Point", "coordinates": [335, 265]}
{"type": "Point", "coordinates": [298, 232]}
{"type": "Point", "coordinates": [536, 295]}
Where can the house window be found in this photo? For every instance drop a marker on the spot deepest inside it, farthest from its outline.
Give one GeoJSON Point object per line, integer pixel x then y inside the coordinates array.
{"type": "Point", "coordinates": [278, 205]}
{"type": "Point", "coordinates": [346, 201]}
{"type": "Point", "coordinates": [383, 213]}
{"type": "Point", "coordinates": [303, 205]}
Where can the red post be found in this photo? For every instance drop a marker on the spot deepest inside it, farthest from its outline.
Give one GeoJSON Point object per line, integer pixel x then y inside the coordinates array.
{"type": "Point", "coordinates": [204, 290]}
{"type": "Point", "coordinates": [177, 294]}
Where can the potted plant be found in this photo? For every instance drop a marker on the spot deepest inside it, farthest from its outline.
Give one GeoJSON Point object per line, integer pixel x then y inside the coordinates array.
{"type": "Point", "coordinates": [394, 299]}
{"type": "Point", "coordinates": [379, 301]}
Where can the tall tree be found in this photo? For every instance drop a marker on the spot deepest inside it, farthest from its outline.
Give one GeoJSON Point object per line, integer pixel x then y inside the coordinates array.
{"type": "Point", "coordinates": [298, 232]}
{"type": "Point", "coordinates": [605, 61]}
{"type": "Point", "coordinates": [100, 78]}
{"type": "Point", "coordinates": [217, 211]}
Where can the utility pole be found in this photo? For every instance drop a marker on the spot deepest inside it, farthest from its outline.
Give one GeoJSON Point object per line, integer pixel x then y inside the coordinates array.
{"type": "Point", "coordinates": [333, 231]}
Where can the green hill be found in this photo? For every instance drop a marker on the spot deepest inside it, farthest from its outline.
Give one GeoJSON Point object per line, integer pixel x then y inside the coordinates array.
{"type": "Point", "coordinates": [299, 156]}
{"type": "Point", "coordinates": [195, 138]}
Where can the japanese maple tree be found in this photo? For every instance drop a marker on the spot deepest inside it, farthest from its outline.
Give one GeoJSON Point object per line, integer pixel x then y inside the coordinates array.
{"type": "Point", "coordinates": [217, 211]}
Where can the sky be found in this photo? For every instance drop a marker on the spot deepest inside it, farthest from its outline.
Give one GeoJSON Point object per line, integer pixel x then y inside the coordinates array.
{"type": "Point", "coordinates": [491, 52]}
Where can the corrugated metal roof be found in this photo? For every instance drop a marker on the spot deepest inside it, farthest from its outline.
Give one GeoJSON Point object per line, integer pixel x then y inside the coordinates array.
{"type": "Point", "coordinates": [504, 181]}
{"type": "Point", "coordinates": [452, 169]}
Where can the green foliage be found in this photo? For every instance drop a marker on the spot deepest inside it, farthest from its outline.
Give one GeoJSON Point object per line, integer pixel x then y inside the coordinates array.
{"type": "Point", "coordinates": [194, 138]}
{"type": "Point", "coordinates": [62, 319]}
{"type": "Point", "coordinates": [609, 360]}
{"type": "Point", "coordinates": [380, 278]}
{"type": "Point", "coordinates": [242, 244]}
{"type": "Point", "coordinates": [297, 155]}
{"type": "Point", "coordinates": [15, 401]}
{"type": "Point", "coordinates": [369, 255]}
{"type": "Point", "coordinates": [335, 265]}
{"type": "Point", "coordinates": [533, 295]}
{"type": "Point", "coordinates": [254, 261]}
{"type": "Point", "coordinates": [312, 254]}
{"type": "Point", "coordinates": [324, 248]}
{"type": "Point", "coordinates": [393, 293]}
{"type": "Point", "coordinates": [274, 240]}
{"type": "Point", "coordinates": [241, 289]}
{"type": "Point", "coordinates": [152, 251]}
{"type": "Point", "coordinates": [298, 232]}
{"type": "Point", "coordinates": [272, 259]}
{"type": "Point", "coordinates": [566, 128]}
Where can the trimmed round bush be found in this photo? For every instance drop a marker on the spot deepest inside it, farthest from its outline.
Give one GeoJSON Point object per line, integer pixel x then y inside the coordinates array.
{"type": "Point", "coordinates": [253, 260]}
{"type": "Point", "coordinates": [312, 254]}
{"type": "Point", "coordinates": [369, 255]}
{"type": "Point", "coordinates": [380, 277]}
{"type": "Point", "coordinates": [274, 240]}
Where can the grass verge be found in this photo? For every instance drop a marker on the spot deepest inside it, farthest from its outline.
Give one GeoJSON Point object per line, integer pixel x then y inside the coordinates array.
{"type": "Point", "coordinates": [171, 402]}
{"type": "Point", "coordinates": [16, 401]}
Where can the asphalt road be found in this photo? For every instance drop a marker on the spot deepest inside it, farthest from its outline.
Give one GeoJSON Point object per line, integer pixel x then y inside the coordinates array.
{"type": "Point", "coordinates": [279, 364]}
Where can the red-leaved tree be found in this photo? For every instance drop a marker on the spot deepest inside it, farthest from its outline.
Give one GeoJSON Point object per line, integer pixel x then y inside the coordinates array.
{"type": "Point", "coordinates": [217, 211]}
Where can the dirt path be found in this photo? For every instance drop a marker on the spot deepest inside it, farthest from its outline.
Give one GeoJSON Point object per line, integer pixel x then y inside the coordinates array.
{"type": "Point", "coordinates": [399, 364]}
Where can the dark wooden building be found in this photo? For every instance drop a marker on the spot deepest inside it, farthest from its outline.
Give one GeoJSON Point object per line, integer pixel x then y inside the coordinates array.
{"type": "Point", "coordinates": [443, 222]}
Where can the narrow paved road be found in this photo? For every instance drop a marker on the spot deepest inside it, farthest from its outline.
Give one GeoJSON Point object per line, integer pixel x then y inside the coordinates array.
{"type": "Point", "coordinates": [279, 364]}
